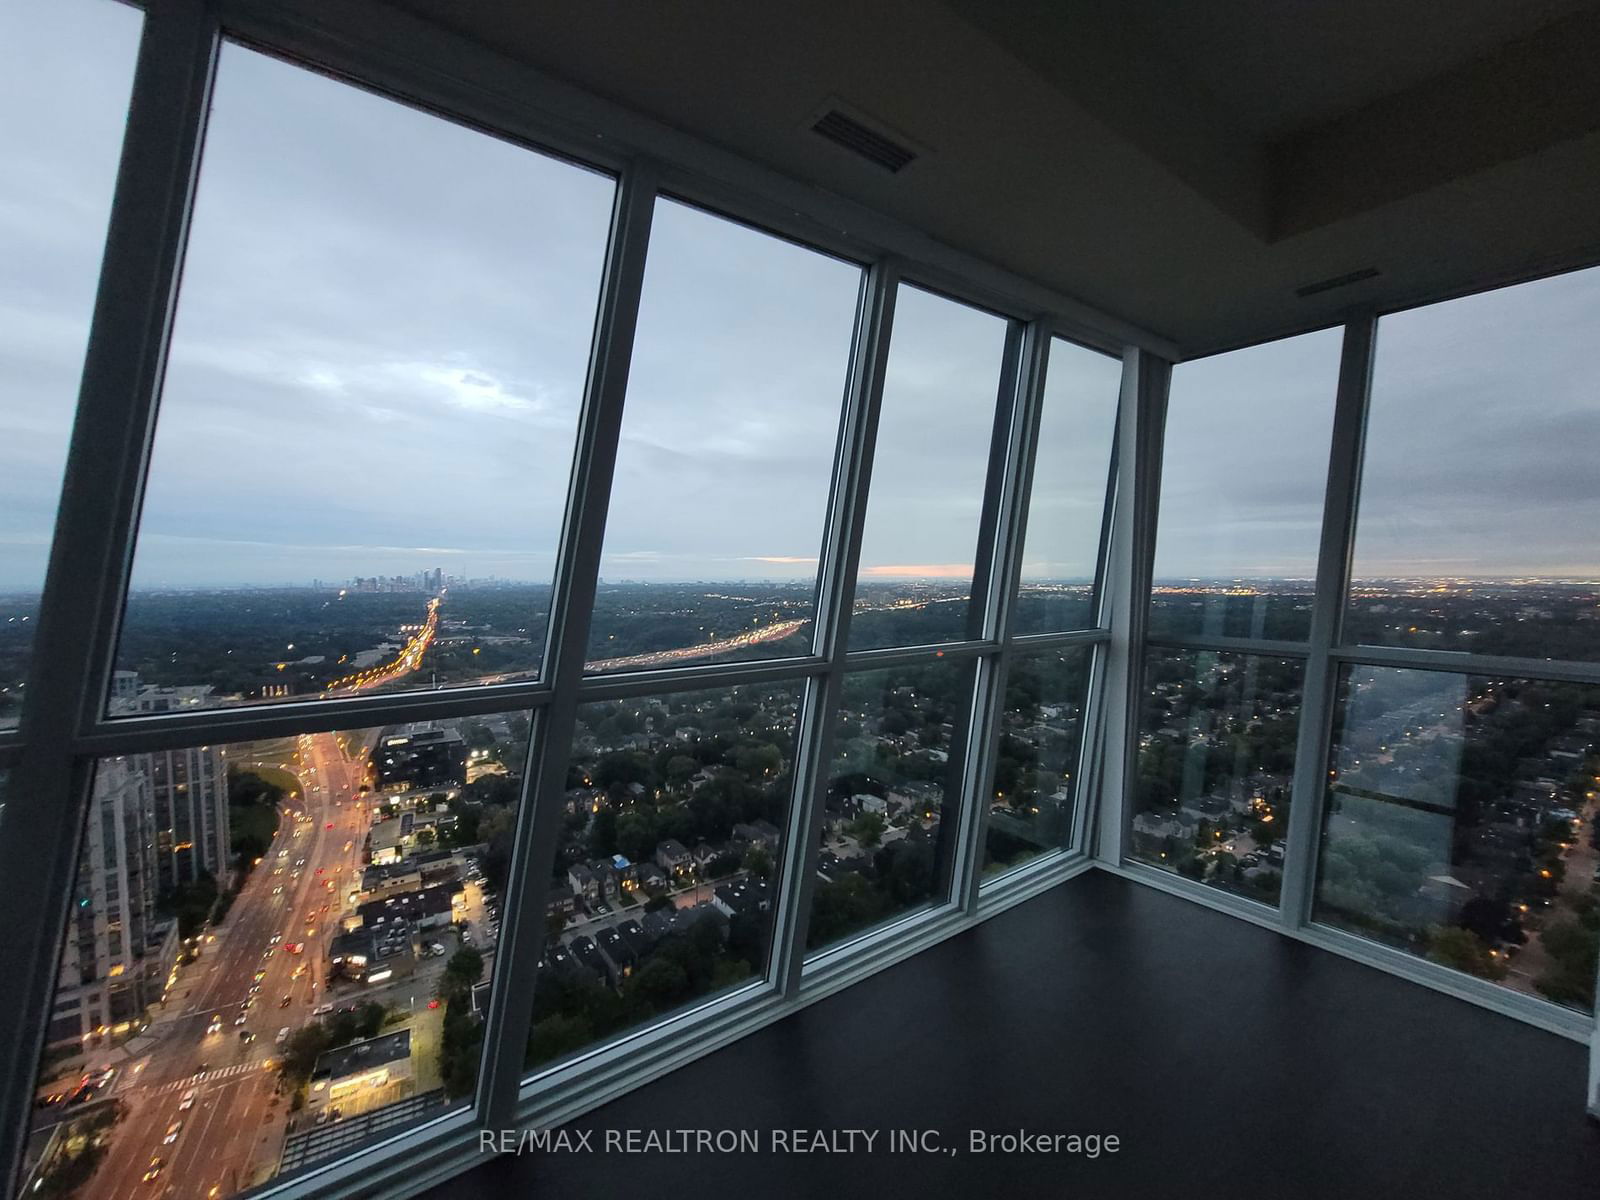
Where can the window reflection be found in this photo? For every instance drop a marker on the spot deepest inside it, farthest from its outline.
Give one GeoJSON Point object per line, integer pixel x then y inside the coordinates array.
{"type": "Point", "coordinates": [1216, 767]}
{"type": "Point", "coordinates": [889, 825]}
{"type": "Point", "coordinates": [1460, 825]}
{"type": "Point", "coordinates": [1036, 783]}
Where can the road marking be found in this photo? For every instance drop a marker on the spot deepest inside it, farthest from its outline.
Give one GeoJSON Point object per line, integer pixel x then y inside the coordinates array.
{"type": "Point", "coordinates": [208, 1077]}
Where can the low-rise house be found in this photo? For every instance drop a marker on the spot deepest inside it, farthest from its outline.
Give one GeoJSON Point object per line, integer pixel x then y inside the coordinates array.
{"type": "Point", "coordinates": [673, 857]}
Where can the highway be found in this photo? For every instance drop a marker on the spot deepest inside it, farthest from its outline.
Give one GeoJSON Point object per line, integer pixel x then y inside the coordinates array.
{"type": "Point", "coordinates": [228, 1137]}
{"type": "Point", "coordinates": [777, 631]}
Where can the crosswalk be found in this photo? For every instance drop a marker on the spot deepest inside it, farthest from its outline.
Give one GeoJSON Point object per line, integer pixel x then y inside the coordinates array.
{"type": "Point", "coordinates": [208, 1077]}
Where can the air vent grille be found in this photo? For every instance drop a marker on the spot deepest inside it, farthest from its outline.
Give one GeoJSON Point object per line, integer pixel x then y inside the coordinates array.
{"type": "Point", "coordinates": [871, 145]}
{"type": "Point", "coordinates": [1338, 281]}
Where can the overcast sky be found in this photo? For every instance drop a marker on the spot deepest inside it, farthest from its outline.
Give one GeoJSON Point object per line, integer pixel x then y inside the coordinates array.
{"type": "Point", "coordinates": [1480, 453]}
{"type": "Point", "coordinates": [384, 326]}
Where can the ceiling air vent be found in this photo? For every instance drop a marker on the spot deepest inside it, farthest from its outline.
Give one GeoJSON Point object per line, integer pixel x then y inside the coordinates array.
{"type": "Point", "coordinates": [844, 130]}
{"type": "Point", "coordinates": [1338, 281]}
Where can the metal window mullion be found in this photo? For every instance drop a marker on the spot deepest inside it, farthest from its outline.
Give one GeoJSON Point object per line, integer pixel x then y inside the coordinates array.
{"type": "Point", "coordinates": [1333, 581]}
{"type": "Point", "coordinates": [540, 822]}
{"type": "Point", "coordinates": [1229, 645]}
{"type": "Point", "coordinates": [1141, 421]}
{"type": "Point", "coordinates": [988, 603]}
{"type": "Point", "coordinates": [1011, 477]}
{"type": "Point", "coordinates": [1099, 610]}
{"type": "Point", "coordinates": [697, 679]}
{"type": "Point", "coordinates": [887, 658]}
{"type": "Point", "coordinates": [1091, 750]}
{"type": "Point", "coordinates": [847, 512]}
{"type": "Point", "coordinates": [1594, 1060]}
{"type": "Point", "coordinates": [50, 789]}
{"type": "Point", "coordinates": [1463, 663]}
{"type": "Point", "coordinates": [174, 731]}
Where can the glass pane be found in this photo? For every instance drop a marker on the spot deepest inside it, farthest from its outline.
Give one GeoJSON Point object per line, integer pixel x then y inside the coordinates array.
{"type": "Point", "coordinates": [1243, 470]}
{"type": "Point", "coordinates": [277, 952]}
{"type": "Point", "coordinates": [663, 884]}
{"type": "Point", "coordinates": [889, 829]}
{"type": "Point", "coordinates": [366, 432]}
{"type": "Point", "coordinates": [928, 473]}
{"type": "Point", "coordinates": [65, 72]}
{"type": "Point", "coordinates": [1461, 825]}
{"type": "Point", "coordinates": [1036, 774]}
{"type": "Point", "coordinates": [1216, 768]}
{"type": "Point", "coordinates": [1478, 496]}
{"type": "Point", "coordinates": [1066, 511]}
{"type": "Point", "coordinates": [722, 479]}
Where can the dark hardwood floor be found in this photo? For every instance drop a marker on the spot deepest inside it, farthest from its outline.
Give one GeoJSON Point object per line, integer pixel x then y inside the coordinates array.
{"type": "Point", "coordinates": [1227, 1060]}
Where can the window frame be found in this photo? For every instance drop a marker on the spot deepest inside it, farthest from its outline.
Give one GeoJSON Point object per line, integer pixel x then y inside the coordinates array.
{"type": "Point", "coordinates": [64, 728]}
{"type": "Point", "coordinates": [1325, 652]}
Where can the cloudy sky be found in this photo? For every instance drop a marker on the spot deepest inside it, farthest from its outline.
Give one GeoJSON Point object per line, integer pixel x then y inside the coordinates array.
{"type": "Point", "coordinates": [384, 326]}
{"type": "Point", "coordinates": [1481, 445]}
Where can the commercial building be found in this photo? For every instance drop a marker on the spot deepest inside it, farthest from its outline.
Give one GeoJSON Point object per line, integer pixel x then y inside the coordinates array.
{"type": "Point", "coordinates": [354, 1073]}
{"type": "Point", "coordinates": [421, 759]}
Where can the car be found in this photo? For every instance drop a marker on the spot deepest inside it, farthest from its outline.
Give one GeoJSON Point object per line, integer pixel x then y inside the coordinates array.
{"type": "Point", "coordinates": [173, 1131]}
{"type": "Point", "coordinates": [330, 824]}
{"type": "Point", "coordinates": [322, 1010]}
{"type": "Point", "coordinates": [153, 1172]}
{"type": "Point", "coordinates": [246, 1037]}
{"type": "Point", "coordinates": [285, 1002]}
{"type": "Point", "coordinates": [267, 953]}
{"type": "Point", "coordinates": [260, 975]}
{"type": "Point", "coordinates": [283, 1035]}
{"type": "Point", "coordinates": [254, 988]}
{"type": "Point", "coordinates": [278, 891]}
{"type": "Point", "coordinates": [187, 1102]}
{"type": "Point", "coordinates": [240, 1019]}
{"type": "Point", "coordinates": [215, 1026]}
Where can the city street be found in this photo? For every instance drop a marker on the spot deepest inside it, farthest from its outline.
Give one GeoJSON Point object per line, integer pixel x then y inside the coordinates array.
{"type": "Point", "coordinates": [231, 1135]}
